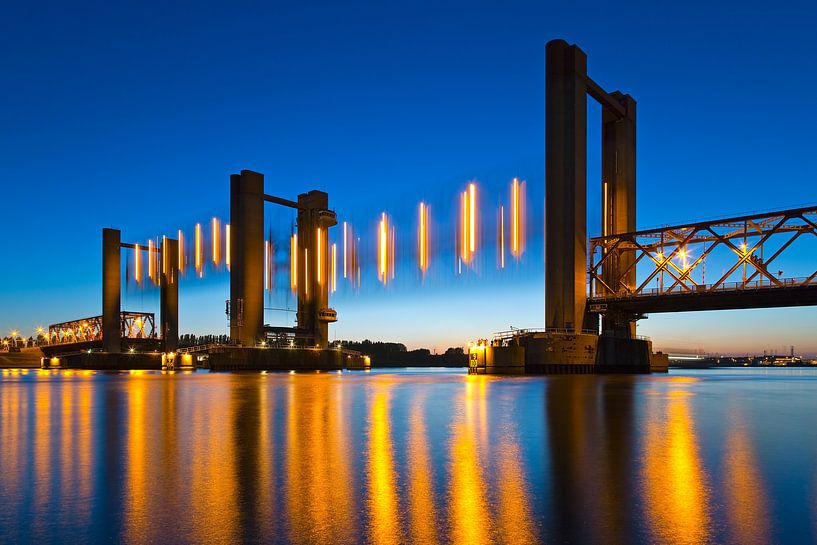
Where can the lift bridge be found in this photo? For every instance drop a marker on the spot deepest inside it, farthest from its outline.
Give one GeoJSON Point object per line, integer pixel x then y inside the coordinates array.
{"type": "Point", "coordinates": [596, 289]}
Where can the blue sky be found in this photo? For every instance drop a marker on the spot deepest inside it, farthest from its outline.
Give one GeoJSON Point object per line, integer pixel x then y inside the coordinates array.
{"type": "Point", "coordinates": [133, 115]}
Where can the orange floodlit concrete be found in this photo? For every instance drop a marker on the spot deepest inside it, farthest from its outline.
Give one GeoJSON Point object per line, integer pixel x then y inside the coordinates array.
{"type": "Point", "coordinates": [216, 236]}
{"type": "Point", "coordinates": [181, 251]}
{"type": "Point", "coordinates": [137, 264]}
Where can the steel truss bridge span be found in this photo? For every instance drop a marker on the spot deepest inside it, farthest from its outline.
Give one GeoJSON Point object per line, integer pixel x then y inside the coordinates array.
{"type": "Point", "coordinates": [670, 265]}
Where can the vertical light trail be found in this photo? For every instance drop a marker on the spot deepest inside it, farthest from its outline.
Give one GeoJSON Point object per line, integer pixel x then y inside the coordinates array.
{"type": "Point", "coordinates": [515, 217]}
{"type": "Point", "coordinates": [227, 246]}
{"type": "Point", "coordinates": [604, 211]}
{"type": "Point", "coordinates": [464, 226]}
{"type": "Point", "coordinates": [423, 238]}
{"type": "Point", "coordinates": [319, 264]}
{"type": "Point", "coordinates": [293, 266]}
{"type": "Point", "coordinates": [383, 248]}
{"type": "Point", "coordinates": [216, 242]}
{"type": "Point", "coordinates": [334, 267]}
{"type": "Point", "coordinates": [472, 222]}
{"type": "Point", "coordinates": [199, 252]}
{"type": "Point", "coordinates": [501, 237]}
{"type": "Point", "coordinates": [150, 260]}
{"type": "Point", "coordinates": [137, 264]}
{"type": "Point", "coordinates": [344, 249]}
{"type": "Point", "coordinates": [164, 255]}
{"type": "Point", "coordinates": [306, 271]}
{"type": "Point", "coordinates": [181, 251]}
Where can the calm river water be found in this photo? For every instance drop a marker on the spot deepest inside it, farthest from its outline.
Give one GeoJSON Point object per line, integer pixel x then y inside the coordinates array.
{"type": "Point", "coordinates": [408, 456]}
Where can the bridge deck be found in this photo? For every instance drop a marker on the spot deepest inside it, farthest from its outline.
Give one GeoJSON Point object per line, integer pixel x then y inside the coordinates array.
{"type": "Point", "coordinates": [725, 299]}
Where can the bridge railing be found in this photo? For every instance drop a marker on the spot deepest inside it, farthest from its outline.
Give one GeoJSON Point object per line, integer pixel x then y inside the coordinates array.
{"type": "Point", "coordinates": [723, 287]}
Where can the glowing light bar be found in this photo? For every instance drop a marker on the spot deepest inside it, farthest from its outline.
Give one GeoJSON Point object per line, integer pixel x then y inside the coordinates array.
{"type": "Point", "coordinates": [293, 266]}
{"type": "Point", "coordinates": [422, 248]}
{"type": "Point", "coordinates": [164, 255]}
{"type": "Point", "coordinates": [334, 267]}
{"type": "Point", "coordinates": [151, 271]}
{"type": "Point", "coordinates": [181, 251]}
{"type": "Point", "coordinates": [216, 242]}
{"type": "Point", "coordinates": [515, 217]}
{"type": "Point", "coordinates": [464, 226]}
{"type": "Point", "coordinates": [306, 271]}
{"type": "Point", "coordinates": [319, 264]}
{"type": "Point", "coordinates": [472, 198]}
{"type": "Point", "coordinates": [227, 246]}
{"type": "Point", "coordinates": [137, 264]}
{"type": "Point", "coordinates": [383, 249]}
{"type": "Point", "coordinates": [199, 250]}
{"type": "Point", "coordinates": [344, 249]}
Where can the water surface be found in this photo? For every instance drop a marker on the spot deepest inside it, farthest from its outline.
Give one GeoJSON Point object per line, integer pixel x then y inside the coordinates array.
{"type": "Point", "coordinates": [408, 456]}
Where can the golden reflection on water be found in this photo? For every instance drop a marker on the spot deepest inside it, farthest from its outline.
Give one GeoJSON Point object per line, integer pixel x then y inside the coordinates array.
{"type": "Point", "coordinates": [746, 502]}
{"type": "Point", "coordinates": [318, 475]}
{"type": "Point", "coordinates": [675, 488]}
{"type": "Point", "coordinates": [382, 500]}
{"type": "Point", "coordinates": [422, 510]}
{"type": "Point", "coordinates": [469, 517]}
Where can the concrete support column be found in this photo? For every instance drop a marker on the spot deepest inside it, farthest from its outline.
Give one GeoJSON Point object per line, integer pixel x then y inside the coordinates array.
{"type": "Point", "coordinates": [169, 295]}
{"type": "Point", "coordinates": [618, 196]}
{"type": "Point", "coordinates": [111, 291]}
{"type": "Point", "coordinates": [314, 220]}
{"type": "Point", "coordinates": [565, 185]}
{"type": "Point", "coordinates": [247, 257]}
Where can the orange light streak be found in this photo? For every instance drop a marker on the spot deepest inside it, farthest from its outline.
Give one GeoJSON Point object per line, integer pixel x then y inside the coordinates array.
{"type": "Point", "coordinates": [293, 266]}
{"type": "Point", "coordinates": [334, 267]}
{"type": "Point", "coordinates": [383, 248]}
{"type": "Point", "coordinates": [319, 271]}
{"type": "Point", "coordinates": [164, 255]}
{"type": "Point", "coordinates": [216, 242]}
{"type": "Point", "coordinates": [151, 272]}
{"type": "Point", "coordinates": [423, 237]}
{"type": "Point", "coordinates": [227, 246]}
{"type": "Point", "coordinates": [181, 251]}
{"type": "Point", "coordinates": [137, 264]}
{"type": "Point", "coordinates": [306, 271]}
{"type": "Point", "coordinates": [199, 252]}
{"type": "Point", "coordinates": [515, 217]}
{"type": "Point", "coordinates": [464, 226]}
{"type": "Point", "coordinates": [472, 222]}
{"type": "Point", "coordinates": [344, 249]}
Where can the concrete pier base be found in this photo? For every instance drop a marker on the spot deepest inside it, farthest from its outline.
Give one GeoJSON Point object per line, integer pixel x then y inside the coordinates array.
{"type": "Point", "coordinates": [238, 358]}
{"type": "Point", "coordinates": [561, 353]}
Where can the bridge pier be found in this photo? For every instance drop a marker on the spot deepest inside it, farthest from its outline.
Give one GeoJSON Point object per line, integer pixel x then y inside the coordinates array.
{"type": "Point", "coordinates": [111, 291]}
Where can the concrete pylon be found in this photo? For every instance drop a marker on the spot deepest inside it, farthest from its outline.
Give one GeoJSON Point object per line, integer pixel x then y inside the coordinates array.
{"type": "Point", "coordinates": [169, 295]}
{"type": "Point", "coordinates": [111, 291]}
{"type": "Point", "coordinates": [247, 257]}
{"type": "Point", "coordinates": [565, 186]}
{"type": "Point", "coordinates": [314, 220]}
{"type": "Point", "coordinates": [618, 170]}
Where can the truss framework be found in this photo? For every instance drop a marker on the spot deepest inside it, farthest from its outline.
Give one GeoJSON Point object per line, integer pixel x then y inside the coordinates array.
{"type": "Point", "coordinates": [134, 325]}
{"type": "Point", "coordinates": [671, 255]}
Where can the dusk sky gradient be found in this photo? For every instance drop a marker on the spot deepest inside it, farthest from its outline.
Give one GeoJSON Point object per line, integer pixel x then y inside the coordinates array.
{"type": "Point", "coordinates": [133, 115]}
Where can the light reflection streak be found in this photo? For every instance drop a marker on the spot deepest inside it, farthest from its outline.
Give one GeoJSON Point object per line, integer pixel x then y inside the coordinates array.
{"type": "Point", "coordinates": [746, 502]}
{"type": "Point", "coordinates": [422, 509]}
{"type": "Point", "coordinates": [382, 497]}
{"type": "Point", "coordinates": [469, 517]}
{"type": "Point", "coordinates": [675, 487]}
